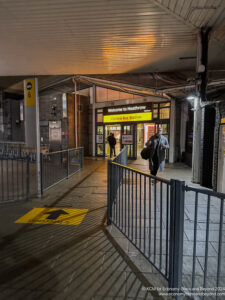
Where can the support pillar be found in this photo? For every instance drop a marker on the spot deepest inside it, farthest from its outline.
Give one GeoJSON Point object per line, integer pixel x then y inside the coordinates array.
{"type": "Point", "coordinates": [196, 147]}
{"type": "Point", "coordinates": [183, 127]}
{"type": "Point", "coordinates": [201, 84]}
{"type": "Point", "coordinates": [93, 120]}
{"type": "Point", "coordinates": [172, 132]}
{"type": "Point", "coordinates": [32, 123]}
{"type": "Point", "coordinates": [1, 116]}
{"type": "Point", "coordinates": [75, 115]}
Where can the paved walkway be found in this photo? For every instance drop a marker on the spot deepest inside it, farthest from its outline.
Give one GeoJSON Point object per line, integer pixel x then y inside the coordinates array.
{"type": "Point", "coordinates": [90, 260]}
{"type": "Point", "coordinates": [86, 261]}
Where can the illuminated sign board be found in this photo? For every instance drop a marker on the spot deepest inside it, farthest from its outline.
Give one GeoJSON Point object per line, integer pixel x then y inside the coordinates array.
{"type": "Point", "coordinates": [223, 121]}
{"type": "Point", "coordinates": [136, 117]}
{"type": "Point", "coordinates": [128, 109]}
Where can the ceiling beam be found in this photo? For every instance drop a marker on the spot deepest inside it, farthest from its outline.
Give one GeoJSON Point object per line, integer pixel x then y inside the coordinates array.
{"type": "Point", "coordinates": [173, 14]}
{"type": "Point", "coordinates": [126, 88]}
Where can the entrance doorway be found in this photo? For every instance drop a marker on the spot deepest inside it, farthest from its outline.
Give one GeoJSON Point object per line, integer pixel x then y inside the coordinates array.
{"type": "Point", "coordinates": [221, 161]}
{"type": "Point", "coordinates": [116, 130]}
{"type": "Point", "coordinates": [144, 132]}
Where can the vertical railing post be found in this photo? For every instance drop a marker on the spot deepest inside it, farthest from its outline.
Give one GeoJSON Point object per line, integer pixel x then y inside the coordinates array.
{"type": "Point", "coordinates": [176, 236]}
{"type": "Point", "coordinates": [82, 158]}
{"type": "Point", "coordinates": [68, 157]}
{"type": "Point", "coordinates": [28, 178]}
{"type": "Point", "coordinates": [109, 192]}
{"type": "Point", "coordinates": [41, 162]}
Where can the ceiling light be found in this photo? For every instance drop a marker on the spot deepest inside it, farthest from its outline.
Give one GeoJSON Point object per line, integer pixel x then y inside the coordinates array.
{"type": "Point", "coordinates": [150, 13]}
{"type": "Point", "coordinates": [190, 98]}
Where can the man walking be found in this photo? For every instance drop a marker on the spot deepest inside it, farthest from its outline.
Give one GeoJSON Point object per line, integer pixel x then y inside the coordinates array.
{"type": "Point", "coordinates": [112, 143]}
{"type": "Point", "coordinates": [157, 145]}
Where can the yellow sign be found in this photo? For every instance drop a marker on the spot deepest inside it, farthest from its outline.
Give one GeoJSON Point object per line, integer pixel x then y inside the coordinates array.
{"type": "Point", "coordinates": [137, 117]}
{"type": "Point", "coordinates": [56, 216]}
{"type": "Point", "coordinates": [223, 120]}
{"type": "Point", "coordinates": [29, 92]}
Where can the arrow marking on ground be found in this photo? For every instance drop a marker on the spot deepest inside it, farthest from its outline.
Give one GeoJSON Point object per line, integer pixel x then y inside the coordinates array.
{"type": "Point", "coordinates": [53, 215]}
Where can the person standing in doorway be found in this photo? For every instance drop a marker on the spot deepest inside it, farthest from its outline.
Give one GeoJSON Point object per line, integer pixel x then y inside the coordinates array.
{"type": "Point", "coordinates": [157, 145]}
{"type": "Point", "coordinates": [112, 143]}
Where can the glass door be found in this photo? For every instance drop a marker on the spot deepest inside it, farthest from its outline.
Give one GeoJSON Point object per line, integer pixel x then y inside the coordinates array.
{"type": "Point", "coordinates": [100, 140]}
{"type": "Point", "coordinates": [116, 130]}
{"type": "Point", "coordinates": [128, 139]}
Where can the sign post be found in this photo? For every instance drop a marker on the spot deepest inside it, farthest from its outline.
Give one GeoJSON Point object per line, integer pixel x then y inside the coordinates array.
{"type": "Point", "coordinates": [32, 124]}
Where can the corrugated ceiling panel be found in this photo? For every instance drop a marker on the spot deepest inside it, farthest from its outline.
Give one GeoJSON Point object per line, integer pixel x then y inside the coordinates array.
{"type": "Point", "coordinates": [95, 36]}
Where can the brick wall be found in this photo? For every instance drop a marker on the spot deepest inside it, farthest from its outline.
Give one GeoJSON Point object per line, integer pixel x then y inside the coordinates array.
{"type": "Point", "coordinates": [71, 120]}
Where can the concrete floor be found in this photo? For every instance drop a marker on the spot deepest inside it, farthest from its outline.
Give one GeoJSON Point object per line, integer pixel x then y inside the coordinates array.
{"type": "Point", "coordinates": [86, 261]}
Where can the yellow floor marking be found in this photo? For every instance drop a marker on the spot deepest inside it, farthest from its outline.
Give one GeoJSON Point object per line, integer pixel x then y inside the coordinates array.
{"type": "Point", "coordinates": [56, 216]}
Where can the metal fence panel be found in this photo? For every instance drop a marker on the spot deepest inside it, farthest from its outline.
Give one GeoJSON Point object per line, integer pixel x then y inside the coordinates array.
{"type": "Point", "coordinates": [138, 206]}
{"type": "Point", "coordinates": [57, 166]}
{"type": "Point", "coordinates": [204, 243]}
{"type": "Point", "coordinates": [14, 179]}
{"type": "Point", "coordinates": [17, 149]}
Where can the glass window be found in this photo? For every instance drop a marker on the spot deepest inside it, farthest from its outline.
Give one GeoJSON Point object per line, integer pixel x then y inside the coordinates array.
{"type": "Point", "coordinates": [155, 105]}
{"type": "Point", "coordinates": [104, 94]}
{"type": "Point", "coordinates": [99, 129]}
{"type": "Point", "coordinates": [100, 118]}
{"type": "Point", "coordinates": [164, 113]}
{"type": "Point", "coordinates": [99, 149]}
{"type": "Point", "coordinates": [164, 128]}
{"type": "Point", "coordinates": [165, 104]}
{"type": "Point", "coordinates": [155, 113]}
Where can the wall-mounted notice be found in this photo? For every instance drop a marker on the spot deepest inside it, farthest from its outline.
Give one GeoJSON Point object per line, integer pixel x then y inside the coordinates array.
{"type": "Point", "coordinates": [127, 139]}
{"type": "Point", "coordinates": [99, 138]}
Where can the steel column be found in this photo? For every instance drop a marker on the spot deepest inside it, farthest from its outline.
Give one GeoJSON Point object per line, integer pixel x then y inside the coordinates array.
{"type": "Point", "coordinates": [176, 235]}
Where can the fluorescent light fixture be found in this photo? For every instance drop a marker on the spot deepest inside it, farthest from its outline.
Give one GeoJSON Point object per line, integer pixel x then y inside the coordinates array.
{"type": "Point", "coordinates": [191, 97]}
{"type": "Point", "coordinates": [150, 13]}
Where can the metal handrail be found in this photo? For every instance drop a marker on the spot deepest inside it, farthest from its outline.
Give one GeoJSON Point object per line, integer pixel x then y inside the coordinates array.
{"type": "Point", "coordinates": [205, 192]}
{"type": "Point", "coordinates": [143, 173]}
{"type": "Point", "coordinates": [61, 151]}
{"type": "Point", "coordinates": [12, 142]}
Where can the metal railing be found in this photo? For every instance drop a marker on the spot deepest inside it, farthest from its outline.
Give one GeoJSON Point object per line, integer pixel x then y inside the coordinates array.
{"type": "Point", "coordinates": [14, 179]}
{"type": "Point", "coordinates": [57, 166]}
{"type": "Point", "coordinates": [204, 233]}
{"type": "Point", "coordinates": [17, 149]}
{"type": "Point", "coordinates": [179, 229]}
{"type": "Point", "coordinates": [139, 205]}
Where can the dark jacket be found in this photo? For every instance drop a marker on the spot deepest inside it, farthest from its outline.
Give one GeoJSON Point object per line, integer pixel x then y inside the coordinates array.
{"type": "Point", "coordinates": [163, 145]}
{"type": "Point", "coordinates": [112, 141]}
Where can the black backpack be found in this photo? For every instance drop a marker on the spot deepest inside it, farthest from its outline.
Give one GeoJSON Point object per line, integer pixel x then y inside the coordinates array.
{"type": "Point", "coordinates": [145, 153]}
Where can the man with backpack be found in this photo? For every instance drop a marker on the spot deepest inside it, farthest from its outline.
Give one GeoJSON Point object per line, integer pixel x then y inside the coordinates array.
{"type": "Point", "coordinates": [112, 143]}
{"type": "Point", "coordinates": [157, 144]}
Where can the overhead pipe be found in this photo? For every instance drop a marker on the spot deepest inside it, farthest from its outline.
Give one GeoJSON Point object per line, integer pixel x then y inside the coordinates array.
{"type": "Point", "coordinates": [127, 88]}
